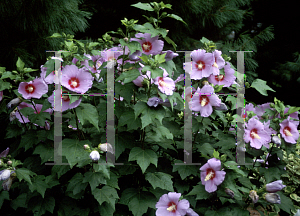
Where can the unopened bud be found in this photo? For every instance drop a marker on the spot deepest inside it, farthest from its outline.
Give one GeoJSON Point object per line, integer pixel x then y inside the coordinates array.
{"type": "Point", "coordinates": [9, 162]}
{"type": "Point", "coordinates": [106, 147]}
{"type": "Point", "coordinates": [229, 192]}
{"type": "Point", "coordinates": [126, 39]}
{"type": "Point", "coordinates": [5, 175]}
{"type": "Point", "coordinates": [94, 155]}
{"type": "Point", "coordinates": [272, 105]}
{"type": "Point", "coordinates": [273, 198]}
{"type": "Point", "coordinates": [167, 31]}
{"type": "Point", "coordinates": [253, 195]}
{"type": "Point", "coordinates": [205, 82]}
{"type": "Point", "coordinates": [86, 147]}
{"type": "Point", "coordinates": [276, 140]}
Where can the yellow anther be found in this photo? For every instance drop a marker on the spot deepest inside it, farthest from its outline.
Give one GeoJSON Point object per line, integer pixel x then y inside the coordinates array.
{"type": "Point", "coordinates": [255, 135]}
{"type": "Point", "coordinates": [30, 88]}
{"type": "Point", "coordinates": [171, 208]}
{"type": "Point", "coordinates": [146, 47]}
{"type": "Point", "coordinates": [162, 83]}
{"type": "Point", "coordinates": [215, 65]}
{"type": "Point", "coordinates": [221, 77]}
{"type": "Point", "coordinates": [287, 132]}
{"type": "Point", "coordinates": [200, 66]}
{"type": "Point", "coordinates": [74, 83]}
{"type": "Point", "coordinates": [203, 102]}
{"type": "Point", "coordinates": [209, 176]}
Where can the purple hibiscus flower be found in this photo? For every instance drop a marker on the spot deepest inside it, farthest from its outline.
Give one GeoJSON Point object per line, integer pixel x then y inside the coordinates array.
{"type": "Point", "coordinates": [255, 134]}
{"type": "Point", "coordinates": [170, 205]}
{"type": "Point", "coordinates": [150, 45]}
{"type": "Point", "coordinates": [204, 103]}
{"type": "Point", "coordinates": [33, 89]}
{"type": "Point", "coordinates": [288, 131]}
{"type": "Point", "coordinates": [201, 64]}
{"type": "Point", "coordinates": [211, 176]}
{"type": "Point", "coordinates": [227, 80]}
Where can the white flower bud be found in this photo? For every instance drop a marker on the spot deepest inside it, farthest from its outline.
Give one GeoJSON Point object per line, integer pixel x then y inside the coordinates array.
{"type": "Point", "coordinates": [13, 102]}
{"type": "Point", "coordinates": [7, 184]}
{"type": "Point", "coordinates": [94, 155]}
{"type": "Point", "coordinates": [5, 175]}
{"type": "Point", "coordinates": [106, 147]}
{"type": "Point", "coordinates": [9, 162]}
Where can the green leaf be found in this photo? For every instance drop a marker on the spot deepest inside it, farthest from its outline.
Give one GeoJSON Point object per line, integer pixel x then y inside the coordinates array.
{"type": "Point", "coordinates": [128, 118]}
{"type": "Point", "coordinates": [20, 64]}
{"type": "Point", "coordinates": [94, 179]}
{"type": "Point", "coordinates": [134, 46]}
{"type": "Point", "coordinates": [4, 195]}
{"type": "Point", "coordinates": [46, 152]}
{"type": "Point", "coordinates": [157, 72]}
{"type": "Point", "coordinates": [39, 185]}
{"type": "Point", "coordinates": [216, 154]}
{"type": "Point", "coordinates": [50, 66]}
{"type": "Point", "coordinates": [103, 169]}
{"type": "Point", "coordinates": [56, 35]}
{"type": "Point", "coordinates": [271, 174]}
{"type": "Point", "coordinates": [87, 112]}
{"type": "Point", "coordinates": [113, 181]}
{"type": "Point", "coordinates": [4, 85]}
{"type": "Point", "coordinates": [261, 86]}
{"type": "Point", "coordinates": [200, 191]}
{"type": "Point", "coordinates": [106, 194]}
{"type": "Point", "coordinates": [169, 41]}
{"type": "Point", "coordinates": [161, 180]}
{"type": "Point", "coordinates": [39, 118]}
{"type": "Point", "coordinates": [72, 98]}
{"type": "Point", "coordinates": [177, 18]}
{"type": "Point", "coordinates": [185, 170]}
{"type": "Point", "coordinates": [143, 157]}
{"type": "Point", "coordinates": [233, 166]}
{"type": "Point", "coordinates": [28, 70]}
{"type": "Point", "coordinates": [292, 110]}
{"type": "Point", "coordinates": [140, 107]}
{"type": "Point", "coordinates": [129, 76]}
{"type": "Point", "coordinates": [286, 203]}
{"type": "Point", "coordinates": [205, 149]}
{"type": "Point", "coordinates": [59, 170]}
{"type": "Point", "coordinates": [106, 209]}
{"type": "Point", "coordinates": [232, 99]}
{"type": "Point", "coordinates": [73, 150]}
{"type": "Point", "coordinates": [76, 184]}
{"type": "Point", "coordinates": [160, 58]}
{"type": "Point", "coordinates": [23, 173]}
{"type": "Point", "coordinates": [143, 6]}
{"type": "Point", "coordinates": [40, 206]}
{"type": "Point", "coordinates": [20, 201]}
{"type": "Point", "coordinates": [163, 131]}
{"type": "Point", "coordinates": [138, 201]}
{"type": "Point", "coordinates": [8, 74]}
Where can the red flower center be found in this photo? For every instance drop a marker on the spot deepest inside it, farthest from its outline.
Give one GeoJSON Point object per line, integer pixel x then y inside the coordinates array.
{"type": "Point", "coordinates": [219, 78]}
{"type": "Point", "coordinates": [200, 65]}
{"type": "Point", "coordinates": [147, 46]}
{"type": "Point", "coordinates": [29, 88]}
{"type": "Point", "coordinates": [204, 100]}
{"type": "Point", "coordinates": [65, 97]}
{"type": "Point", "coordinates": [253, 134]}
{"type": "Point", "coordinates": [74, 82]}
{"type": "Point", "coordinates": [287, 131]}
{"type": "Point", "coordinates": [161, 82]}
{"type": "Point", "coordinates": [172, 207]}
{"type": "Point", "coordinates": [210, 174]}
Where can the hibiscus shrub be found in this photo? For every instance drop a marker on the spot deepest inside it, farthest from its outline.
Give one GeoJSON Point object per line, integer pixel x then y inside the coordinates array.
{"type": "Point", "coordinates": [147, 169]}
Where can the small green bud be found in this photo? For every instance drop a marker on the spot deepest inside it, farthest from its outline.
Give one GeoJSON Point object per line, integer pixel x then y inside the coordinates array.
{"type": "Point", "coordinates": [86, 147]}
{"type": "Point", "coordinates": [247, 85]}
{"type": "Point", "coordinates": [272, 105]}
